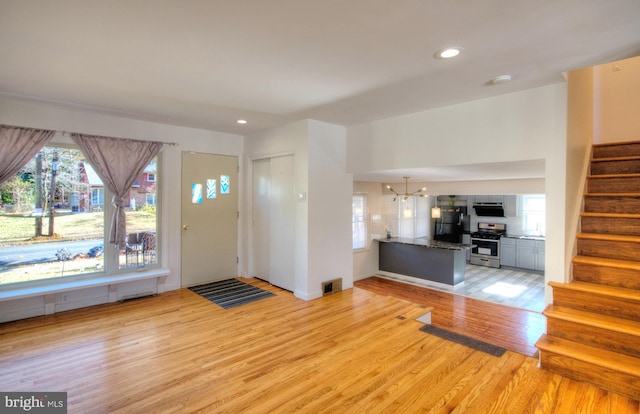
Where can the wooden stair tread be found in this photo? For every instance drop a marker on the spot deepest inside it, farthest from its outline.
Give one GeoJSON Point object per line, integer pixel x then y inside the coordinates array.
{"type": "Point", "coordinates": [596, 356]}
{"type": "Point", "coordinates": [630, 195]}
{"type": "Point", "coordinates": [610, 215]}
{"type": "Point", "coordinates": [615, 144]}
{"type": "Point", "coordinates": [613, 159]}
{"type": "Point", "coordinates": [609, 237]}
{"type": "Point", "coordinates": [604, 176]}
{"type": "Point", "coordinates": [598, 289]}
{"type": "Point", "coordinates": [601, 261]}
{"type": "Point", "coordinates": [625, 326]}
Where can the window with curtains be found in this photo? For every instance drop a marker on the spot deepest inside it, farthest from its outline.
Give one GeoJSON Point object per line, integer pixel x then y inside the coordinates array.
{"type": "Point", "coordinates": [54, 220]}
{"type": "Point", "coordinates": [359, 221]}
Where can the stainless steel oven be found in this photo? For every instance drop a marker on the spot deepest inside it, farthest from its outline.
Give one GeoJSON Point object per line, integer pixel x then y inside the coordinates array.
{"type": "Point", "coordinates": [486, 244]}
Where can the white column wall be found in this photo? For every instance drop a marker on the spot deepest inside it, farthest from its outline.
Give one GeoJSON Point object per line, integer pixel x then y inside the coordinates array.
{"type": "Point", "coordinates": [330, 201]}
{"type": "Point", "coordinates": [287, 139]}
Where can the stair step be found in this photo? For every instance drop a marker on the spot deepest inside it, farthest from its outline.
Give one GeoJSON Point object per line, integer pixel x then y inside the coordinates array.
{"type": "Point", "coordinates": [613, 183]}
{"type": "Point", "coordinates": [611, 246]}
{"type": "Point", "coordinates": [603, 299]}
{"type": "Point", "coordinates": [609, 370]}
{"type": "Point", "coordinates": [601, 331]}
{"type": "Point", "coordinates": [611, 272]}
{"type": "Point", "coordinates": [610, 223]}
{"type": "Point", "coordinates": [616, 149]}
{"type": "Point", "coordinates": [616, 165]}
{"type": "Point", "coordinates": [624, 203]}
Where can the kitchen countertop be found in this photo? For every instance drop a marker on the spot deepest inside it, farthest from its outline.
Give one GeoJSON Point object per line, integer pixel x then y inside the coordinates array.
{"type": "Point", "coordinates": [518, 236]}
{"type": "Point", "coordinates": [433, 244]}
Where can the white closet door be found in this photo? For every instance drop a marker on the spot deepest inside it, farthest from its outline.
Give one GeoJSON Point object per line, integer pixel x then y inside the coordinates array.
{"type": "Point", "coordinates": [282, 213]}
{"type": "Point", "coordinates": [261, 218]}
{"type": "Point", "coordinates": [273, 221]}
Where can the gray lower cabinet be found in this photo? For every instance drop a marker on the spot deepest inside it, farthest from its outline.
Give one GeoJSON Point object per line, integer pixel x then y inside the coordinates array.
{"type": "Point", "coordinates": [530, 254]}
{"type": "Point", "coordinates": [508, 252]}
{"type": "Point", "coordinates": [539, 256]}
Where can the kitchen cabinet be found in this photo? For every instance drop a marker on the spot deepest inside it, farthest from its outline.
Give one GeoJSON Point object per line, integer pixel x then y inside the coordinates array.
{"type": "Point", "coordinates": [530, 254]}
{"type": "Point", "coordinates": [511, 205]}
{"type": "Point", "coordinates": [489, 199]}
{"type": "Point", "coordinates": [539, 263]}
{"type": "Point", "coordinates": [508, 251]}
{"type": "Point", "coordinates": [466, 239]}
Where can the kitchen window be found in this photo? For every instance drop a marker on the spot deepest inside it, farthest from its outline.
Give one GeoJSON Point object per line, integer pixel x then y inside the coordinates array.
{"type": "Point", "coordinates": [359, 222]}
{"type": "Point", "coordinates": [413, 217]}
{"type": "Point", "coordinates": [533, 212]}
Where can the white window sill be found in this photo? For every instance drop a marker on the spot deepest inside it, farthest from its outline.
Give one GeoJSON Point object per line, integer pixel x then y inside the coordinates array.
{"type": "Point", "coordinates": [26, 292]}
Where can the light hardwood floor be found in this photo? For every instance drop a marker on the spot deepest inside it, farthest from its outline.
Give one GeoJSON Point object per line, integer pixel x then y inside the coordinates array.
{"type": "Point", "coordinates": [349, 352]}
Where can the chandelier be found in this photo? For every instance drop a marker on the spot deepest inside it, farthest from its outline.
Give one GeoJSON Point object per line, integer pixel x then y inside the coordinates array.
{"type": "Point", "coordinates": [406, 193]}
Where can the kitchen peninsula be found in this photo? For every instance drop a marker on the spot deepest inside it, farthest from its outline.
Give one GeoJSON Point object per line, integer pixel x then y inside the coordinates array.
{"type": "Point", "coordinates": [432, 260]}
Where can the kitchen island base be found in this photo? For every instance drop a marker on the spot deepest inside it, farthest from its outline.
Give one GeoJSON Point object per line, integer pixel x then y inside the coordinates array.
{"type": "Point", "coordinates": [441, 265]}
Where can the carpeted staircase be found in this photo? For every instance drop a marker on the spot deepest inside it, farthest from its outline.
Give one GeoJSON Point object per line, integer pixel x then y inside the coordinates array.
{"type": "Point", "coordinates": [593, 325]}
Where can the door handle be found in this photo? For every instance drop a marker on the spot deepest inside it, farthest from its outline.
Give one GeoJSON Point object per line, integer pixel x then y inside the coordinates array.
{"type": "Point", "coordinates": [185, 227]}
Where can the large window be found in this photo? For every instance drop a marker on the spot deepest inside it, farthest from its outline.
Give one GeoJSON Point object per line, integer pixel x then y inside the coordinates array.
{"type": "Point", "coordinates": [533, 209]}
{"type": "Point", "coordinates": [413, 217]}
{"type": "Point", "coordinates": [359, 221]}
{"type": "Point", "coordinates": [54, 221]}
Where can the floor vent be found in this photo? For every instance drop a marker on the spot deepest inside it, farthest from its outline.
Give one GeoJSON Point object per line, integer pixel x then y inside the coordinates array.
{"type": "Point", "coordinates": [331, 286]}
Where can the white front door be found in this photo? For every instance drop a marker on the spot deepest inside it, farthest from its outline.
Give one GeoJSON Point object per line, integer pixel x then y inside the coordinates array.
{"type": "Point", "coordinates": [209, 218]}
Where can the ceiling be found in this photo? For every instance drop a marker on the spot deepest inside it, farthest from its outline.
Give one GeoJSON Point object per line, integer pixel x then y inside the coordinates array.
{"type": "Point", "coordinates": [207, 63]}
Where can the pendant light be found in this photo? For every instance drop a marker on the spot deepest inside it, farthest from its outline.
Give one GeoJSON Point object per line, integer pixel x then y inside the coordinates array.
{"type": "Point", "coordinates": [406, 194]}
{"type": "Point", "coordinates": [436, 213]}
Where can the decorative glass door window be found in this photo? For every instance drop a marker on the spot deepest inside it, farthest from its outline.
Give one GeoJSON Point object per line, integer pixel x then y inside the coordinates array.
{"type": "Point", "coordinates": [224, 184]}
{"type": "Point", "coordinates": [212, 188]}
{"type": "Point", "coordinates": [196, 193]}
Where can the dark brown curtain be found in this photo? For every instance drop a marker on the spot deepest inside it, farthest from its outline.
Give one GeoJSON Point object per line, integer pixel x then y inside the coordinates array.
{"type": "Point", "coordinates": [17, 146]}
{"type": "Point", "coordinates": [118, 162]}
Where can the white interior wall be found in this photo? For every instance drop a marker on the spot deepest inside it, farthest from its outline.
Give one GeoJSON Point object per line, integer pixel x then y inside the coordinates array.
{"type": "Point", "coordinates": [38, 114]}
{"type": "Point", "coordinates": [580, 137]}
{"type": "Point", "coordinates": [524, 125]}
{"type": "Point", "coordinates": [287, 139]}
{"type": "Point", "coordinates": [505, 128]}
{"type": "Point", "coordinates": [616, 101]}
{"type": "Point", "coordinates": [330, 201]}
{"type": "Point", "coordinates": [323, 210]}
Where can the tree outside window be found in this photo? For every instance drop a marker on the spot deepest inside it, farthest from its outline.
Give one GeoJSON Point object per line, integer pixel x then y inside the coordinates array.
{"type": "Point", "coordinates": [34, 246]}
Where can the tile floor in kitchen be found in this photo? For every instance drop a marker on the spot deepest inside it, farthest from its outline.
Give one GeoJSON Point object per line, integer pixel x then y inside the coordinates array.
{"type": "Point", "coordinates": [507, 286]}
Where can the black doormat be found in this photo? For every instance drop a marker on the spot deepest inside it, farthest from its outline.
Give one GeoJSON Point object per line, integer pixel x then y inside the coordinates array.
{"type": "Point", "coordinates": [464, 340]}
{"type": "Point", "coordinates": [231, 293]}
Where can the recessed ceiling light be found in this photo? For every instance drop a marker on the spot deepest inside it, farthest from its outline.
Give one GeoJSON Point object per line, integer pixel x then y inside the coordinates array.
{"type": "Point", "coordinates": [501, 79]}
{"type": "Point", "coordinates": [448, 52]}
{"type": "Point", "coordinates": [241, 121]}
